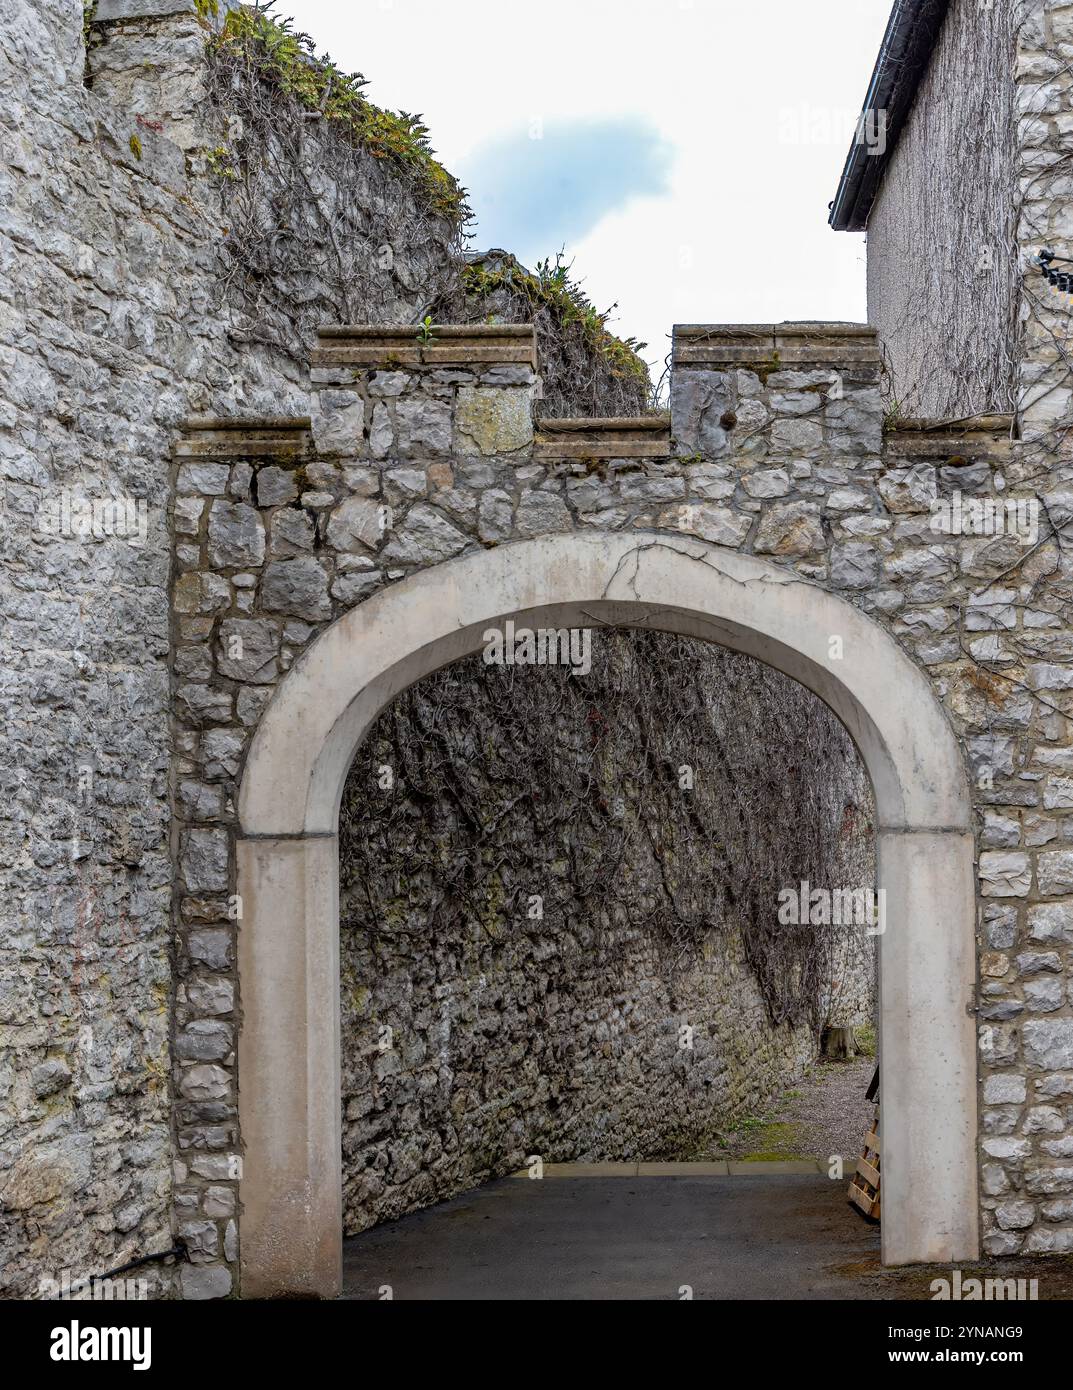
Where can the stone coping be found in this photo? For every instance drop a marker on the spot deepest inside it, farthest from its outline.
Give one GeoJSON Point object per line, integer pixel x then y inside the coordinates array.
{"type": "Point", "coordinates": [774, 345]}
{"type": "Point", "coordinates": [237, 436]}
{"type": "Point", "coordinates": [581, 424]}
{"type": "Point", "coordinates": [399, 345]}
{"type": "Point", "coordinates": [644, 436]}
{"type": "Point", "coordinates": [968, 440]}
{"type": "Point", "coordinates": [1000, 424]}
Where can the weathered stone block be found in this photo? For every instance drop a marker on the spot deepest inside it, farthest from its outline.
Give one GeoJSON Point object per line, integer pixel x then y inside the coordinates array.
{"type": "Point", "coordinates": [424, 425]}
{"type": "Point", "coordinates": [276, 487]}
{"type": "Point", "coordinates": [248, 650]}
{"type": "Point", "coordinates": [381, 432]}
{"type": "Point", "coordinates": [699, 400]}
{"type": "Point", "coordinates": [541, 514]}
{"type": "Point", "coordinates": [493, 421]}
{"type": "Point", "coordinates": [338, 423]}
{"type": "Point", "coordinates": [205, 1281]}
{"type": "Point", "coordinates": [854, 565]}
{"type": "Point", "coordinates": [298, 587]}
{"type": "Point", "coordinates": [355, 526]}
{"type": "Point", "coordinates": [204, 1040]}
{"type": "Point", "coordinates": [495, 516]}
{"type": "Point", "coordinates": [205, 1081]}
{"type": "Point", "coordinates": [1015, 1216]}
{"type": "Point", "coordinates": [424, 537]}
{"type": "Point", "coordinates": [1048, 1043]}
{"type": "Point", "coordinates": [1055, 873]}
{"type": "Point", "coordinates": [210, 946]}
{"type": "Point", "coordinates": [208, 994]}
{"type": "Point", "coordinates": [1044, 996]}
{"type": "Point", "coordinates": [204, 860]}
{"type": "Point", "coordinates": [1004, 1090]}
{"type": "Point", "coordinates": [236, 535]}
{"type": "Point", "coordinates": [769, 482]}
{"type": "Point", "coordinates": [204, 479]}
{"type": "Point", "coordinates": [1005, 875]}
{"type": "Point", "coordinates": [793, 528]}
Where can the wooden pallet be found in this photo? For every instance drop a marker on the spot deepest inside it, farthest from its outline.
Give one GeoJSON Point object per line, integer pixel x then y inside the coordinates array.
{"type": "Point", "coordinates": [864, 1185]}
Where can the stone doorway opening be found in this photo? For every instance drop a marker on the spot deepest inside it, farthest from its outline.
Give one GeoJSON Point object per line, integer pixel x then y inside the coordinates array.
{"type": "Point", "coordinates": [602, 910]}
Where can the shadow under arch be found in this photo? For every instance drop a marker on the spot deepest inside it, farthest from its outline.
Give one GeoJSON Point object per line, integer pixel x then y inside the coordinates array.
{"type": "Point", "coordinates": [288, 871]}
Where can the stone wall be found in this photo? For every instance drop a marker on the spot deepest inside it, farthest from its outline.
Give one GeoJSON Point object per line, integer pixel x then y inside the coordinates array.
{"type": "Point", "coordinates": [779, 449]}
{"type": "Point", "coordinates": [474, 1034]}
{"type": "Point", "coordinates": [943, 268]}
{"type": "Point", "coordinates": [118, 320]}
{"type": "Point", "coordinates": [978, 185]}
{"type": "Point", "coordinates": [126, 171]}
{"type": "Point", "coordinates": [115, 327]}
{"type": "Point", "coordinates": [1044, 181]}
{"type": "Point", "coordinates": [1007, 638]}
{"type": "Point", "coordinates": [415, 452]}
{"type": "Point", "coordinates": [110, 335]}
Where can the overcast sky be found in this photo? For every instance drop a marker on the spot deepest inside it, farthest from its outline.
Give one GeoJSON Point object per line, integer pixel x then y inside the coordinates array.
{"type": "Point", "coordinates": [683, 151]}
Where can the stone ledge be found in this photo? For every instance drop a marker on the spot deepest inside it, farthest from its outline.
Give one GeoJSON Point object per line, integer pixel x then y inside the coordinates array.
{"type": "Point", "coordinates": [646, 437]}
{"type": "Point", "coordinates": [209, 437]}
{"type": "Point", "coordinates": [774, 345]}
{"type": "Point", "coordinates": [450, 345]}
{"type": "Point", "coordinates": [972, 439]}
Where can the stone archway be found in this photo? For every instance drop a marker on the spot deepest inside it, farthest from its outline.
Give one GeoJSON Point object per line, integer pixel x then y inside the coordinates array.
{"type": "Point", "coordinates": [287, 859]}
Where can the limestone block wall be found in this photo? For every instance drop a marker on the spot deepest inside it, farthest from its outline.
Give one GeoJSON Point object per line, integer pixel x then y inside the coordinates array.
{"type": "Point", "coordinates": [109, 334]}
{"type": "Point", "coordinates": [807, 473]}
{"type": "Point", "coordinates": [415, 452]}
{"type": "Point", "coordinates": [994, 625]}
{"type": "Point", "coordinates": [122, 314]}
{"type": "Point", "coordinates": [116, 322]}
{"type": "Point", "coordinates": [943, 272]}
{"type": "Point", "coordinates": [1040, 195]}
{"type": "Point", "coordinates": [114, 329]}
{"type": "Point", "coordinates": [977, 186]}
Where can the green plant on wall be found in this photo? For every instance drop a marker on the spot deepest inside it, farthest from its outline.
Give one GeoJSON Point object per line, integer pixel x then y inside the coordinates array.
{"type": "Point", "coordinates": [218, 162]}
{"type": "Point", "coordinates": [288, 59]}
{"type": "Point", "coordinates": [550, 286]}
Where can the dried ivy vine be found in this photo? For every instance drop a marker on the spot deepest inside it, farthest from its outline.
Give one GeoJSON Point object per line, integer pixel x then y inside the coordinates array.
{"type": "Point", "coordinates": [335, 208]}
{"type": "Point", "coordinates": [586, 370]}
{"type": "Point", "coordinates": [339, 211]}
{"type": "Point", "coordinates": [985, 311]}
{"type": "Point", "coordinates": [577, 798]}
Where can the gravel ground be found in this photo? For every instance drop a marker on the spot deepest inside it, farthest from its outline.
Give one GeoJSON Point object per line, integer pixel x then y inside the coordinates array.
{"type": "Point", "coordinates": [825, 1113]}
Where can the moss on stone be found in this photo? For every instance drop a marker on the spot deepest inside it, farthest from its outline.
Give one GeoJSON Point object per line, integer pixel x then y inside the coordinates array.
{"type": "Point", "coordinates": [775, 1143]}
{"type": "Point", "coordinates": [551, 287]}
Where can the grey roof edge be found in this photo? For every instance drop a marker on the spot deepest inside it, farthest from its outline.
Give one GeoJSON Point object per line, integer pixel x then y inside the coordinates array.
{"type": "Point", "coordinates": [903, 60]}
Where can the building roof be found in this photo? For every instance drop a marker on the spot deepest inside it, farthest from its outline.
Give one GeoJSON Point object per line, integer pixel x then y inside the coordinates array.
{"type": "Point", "coordinates": [903, 60]}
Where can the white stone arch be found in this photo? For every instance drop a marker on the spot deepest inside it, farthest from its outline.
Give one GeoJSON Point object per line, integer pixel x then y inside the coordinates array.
{"type": "Point", "coordinates": [288, 870]}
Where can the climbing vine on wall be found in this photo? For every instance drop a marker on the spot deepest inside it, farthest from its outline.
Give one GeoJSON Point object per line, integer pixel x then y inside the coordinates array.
{"type": "Point", "coordinates": [484, 786]}
{"type": "Point", "coordinates": [340, 208]}
{"type": "Point", "coordinates": [333, 205]}
{"type": "Point", "coordinates": [586, 369]}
